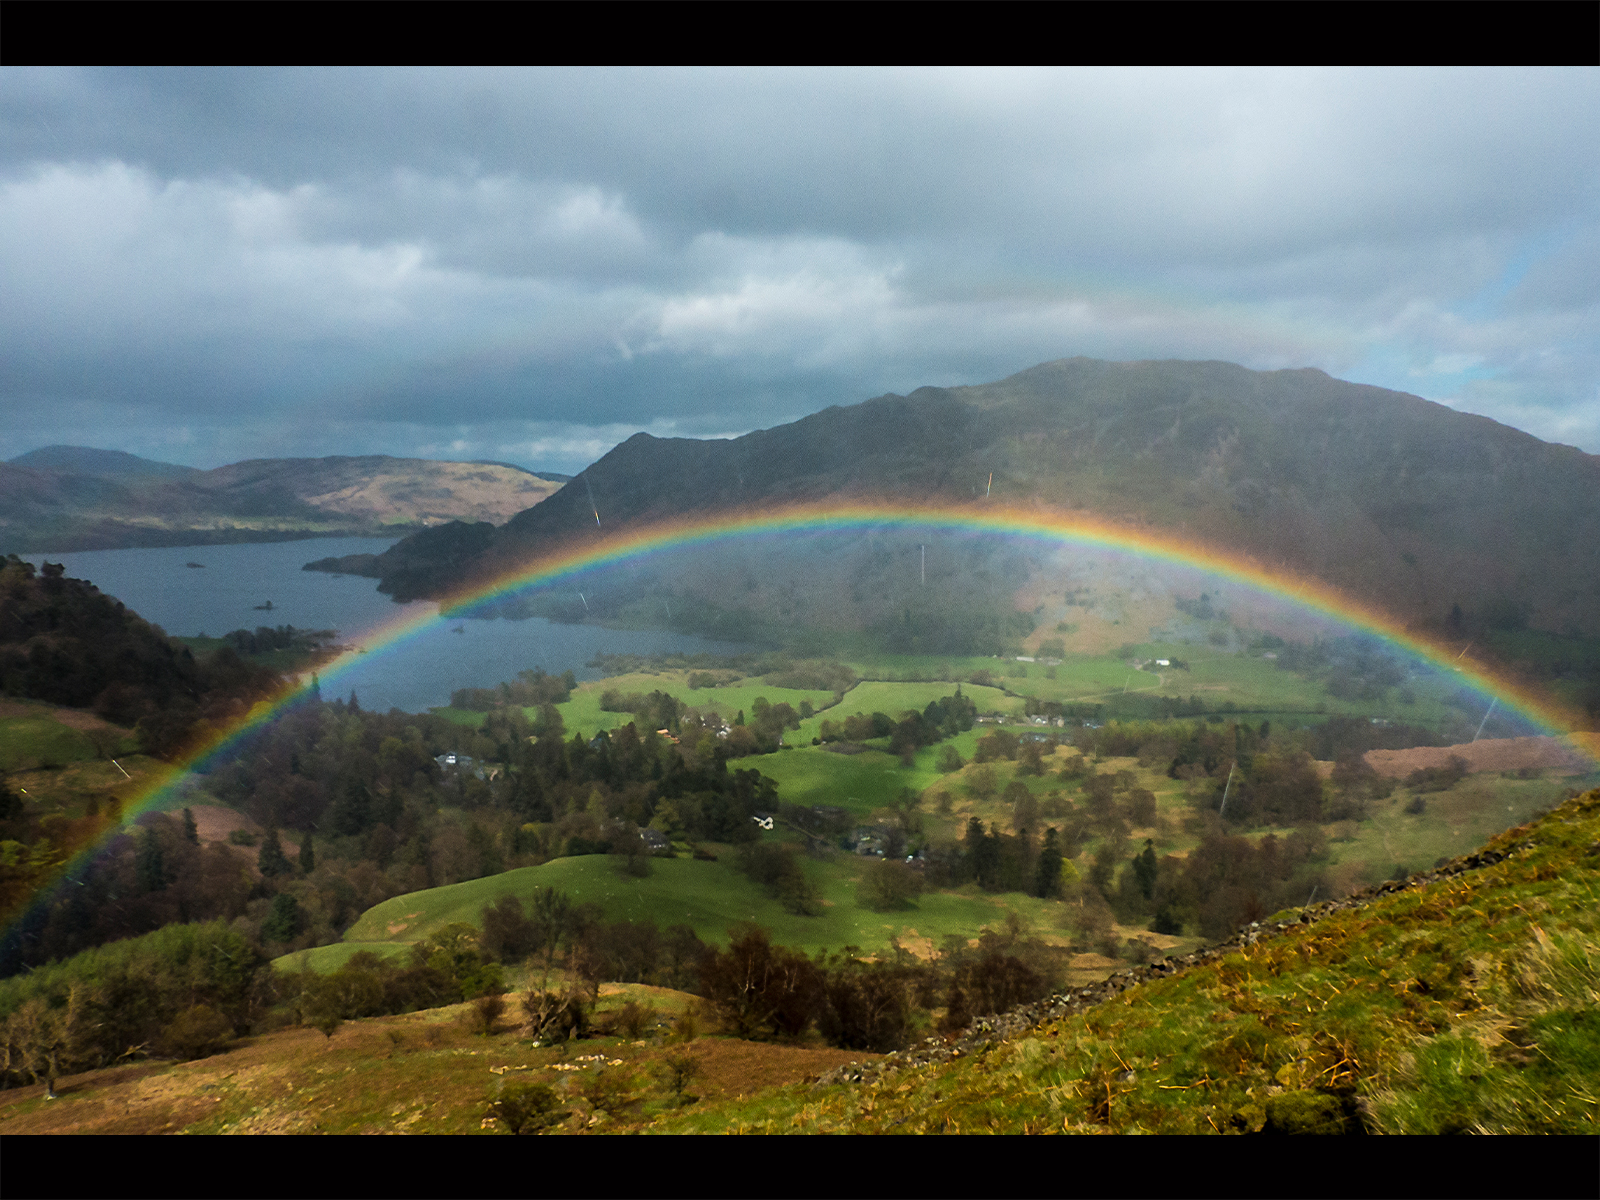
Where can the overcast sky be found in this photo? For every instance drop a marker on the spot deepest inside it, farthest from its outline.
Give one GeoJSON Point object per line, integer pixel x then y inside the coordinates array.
{"type": "Point", "coordinates": [203, 266]}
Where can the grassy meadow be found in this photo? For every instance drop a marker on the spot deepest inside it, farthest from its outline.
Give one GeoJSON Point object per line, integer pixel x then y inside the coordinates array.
{"type": "Point", "coordinates": [710, 897]}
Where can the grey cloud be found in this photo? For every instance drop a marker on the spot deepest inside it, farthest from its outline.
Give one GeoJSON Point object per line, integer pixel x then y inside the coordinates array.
{"type": "Point", "coordinates": [441, 257]}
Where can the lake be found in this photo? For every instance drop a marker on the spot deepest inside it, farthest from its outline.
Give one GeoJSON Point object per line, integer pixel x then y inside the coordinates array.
{"type": "Point", "coordinates": [415, 675]}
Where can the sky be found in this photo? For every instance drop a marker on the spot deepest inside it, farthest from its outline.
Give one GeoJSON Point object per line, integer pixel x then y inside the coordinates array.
{"type": "Point", "coordinates": [208, 265]}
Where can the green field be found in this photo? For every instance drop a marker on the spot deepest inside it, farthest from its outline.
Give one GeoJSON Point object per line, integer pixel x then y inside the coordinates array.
{"type": "Point", "coordinates": [1452, 822]}
{"type": "Point", "coordinates": [582, 713]}
{"type": "Point", "coordinates": [709, 897]}
{"type": "Point", "coordinates": [37, 739]}
{"type": "Point", "coordinates": [858, 783]}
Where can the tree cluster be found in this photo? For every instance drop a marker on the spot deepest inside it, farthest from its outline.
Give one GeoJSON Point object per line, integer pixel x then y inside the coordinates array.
{"type": "Point", "coordinates": [531, 689]}
{"type": "Point", "coordinates": [181, 992]}
{"type": "Point", "coordinates": [762, 990]}
{"type": "Point", "coordinates": [63, 641]}
{"type": "Point", "coordinates": [266, 639]}
{"type": "Point", "coordinates": [375, 815]}
{"type": "Point", "coordinates": [943, 718]}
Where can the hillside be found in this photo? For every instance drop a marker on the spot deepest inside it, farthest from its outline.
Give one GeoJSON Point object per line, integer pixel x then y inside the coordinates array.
{"type": "Point", "coordinates": [72, 498]}
{"type": "Point", "coordinates": [1410, 504]}
{"type": "Point", "coordinates": [1461, 1000]}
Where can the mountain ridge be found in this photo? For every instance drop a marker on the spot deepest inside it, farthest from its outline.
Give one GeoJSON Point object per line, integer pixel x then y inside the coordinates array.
{"type": "Point", "coordinates": [45, 508]}
{"type": "Point", "coordinates": [1409, 503]}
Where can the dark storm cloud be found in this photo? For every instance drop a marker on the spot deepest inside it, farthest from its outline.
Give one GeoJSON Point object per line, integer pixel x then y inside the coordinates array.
{"type": "Point", "coordinates": [527, 262]}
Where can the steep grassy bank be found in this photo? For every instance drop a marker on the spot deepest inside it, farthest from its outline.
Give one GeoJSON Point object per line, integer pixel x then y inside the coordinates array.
{"type": "Point", "coordinates": [1463, 1001]}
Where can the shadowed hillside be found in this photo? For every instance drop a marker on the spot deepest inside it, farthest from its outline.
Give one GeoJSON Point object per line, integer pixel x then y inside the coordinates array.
{"type": "Point", "coordinates": [1438, 516]}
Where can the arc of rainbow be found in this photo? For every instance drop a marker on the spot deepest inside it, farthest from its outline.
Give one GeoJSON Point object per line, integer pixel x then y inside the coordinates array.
{"type": "Point", "coordinates": [1043, 524]}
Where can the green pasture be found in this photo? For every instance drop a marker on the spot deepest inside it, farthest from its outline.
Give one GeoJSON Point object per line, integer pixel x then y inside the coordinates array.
{"type": "Point", "coordinates": [923, 667]}
{"type": "Point", "coordinates": [582, 713]}
{"type": "Point", "coordinates": [461, 716]}
{"type": "Point", "coordinates": [1452, 822]}
{"type": "Point", "coordinates": [709, 897]}
{"type": "Point", "coordinates": [39, 740]}
{"type": "Point", "coordinates": [858, 783]}
{"type": "Point", "coordinates": [326, 959]}
{"type": "Point", "coordinates": [893, 699]}
{"type": "Point", "coordinates": [1249, 683]}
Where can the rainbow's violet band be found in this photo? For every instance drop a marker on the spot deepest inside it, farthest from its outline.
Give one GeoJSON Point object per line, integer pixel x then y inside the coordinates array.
{"type": "Point", "coordinates": [599, 549]}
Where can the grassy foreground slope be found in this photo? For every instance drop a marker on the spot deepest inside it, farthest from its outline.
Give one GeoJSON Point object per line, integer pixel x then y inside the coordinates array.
{"type": "Point", "coordinates": [1465, 1001]}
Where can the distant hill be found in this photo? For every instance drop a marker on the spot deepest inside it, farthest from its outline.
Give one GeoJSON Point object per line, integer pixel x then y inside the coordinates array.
{"type": "Point", "coordinates": [74, 498]}
{"type": "Point", "coordinates": [1420, 509]}
{"type": "Point", "coordinates": [114, 464]}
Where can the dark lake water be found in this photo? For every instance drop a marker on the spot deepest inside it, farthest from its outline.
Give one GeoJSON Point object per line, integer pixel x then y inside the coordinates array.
{"type": "Point", "coordinates": [414, 675]}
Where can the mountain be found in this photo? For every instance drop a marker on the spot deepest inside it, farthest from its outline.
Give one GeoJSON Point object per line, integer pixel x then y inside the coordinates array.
{"type": "Point", "coordinates": [74, 498]}
{"type": "Point", "coordinates": [1418, 508]}
{"type": "Point", "coordinates": [113, 464]}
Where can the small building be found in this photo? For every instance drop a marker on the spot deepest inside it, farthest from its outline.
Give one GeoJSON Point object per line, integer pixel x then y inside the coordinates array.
{"type": "Point", "coordinates": [869, 841]}
{"type": "Point", "coordinates": [655, 841]}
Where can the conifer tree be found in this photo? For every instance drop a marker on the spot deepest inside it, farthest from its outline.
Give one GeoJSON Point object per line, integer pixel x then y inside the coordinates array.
{"type": "Point", "coordinates": [1048, 877]}
{"type": "Point", "coordinates": [149, 866]}
{"type": "Point", "coordinates": [191, 832]}
{"type": "Point", "coordinates": [308, 854]}
{"type": "Point", "coordinates": [1145, 869]}
{"type": "Point", "coordinates": [271, 858]}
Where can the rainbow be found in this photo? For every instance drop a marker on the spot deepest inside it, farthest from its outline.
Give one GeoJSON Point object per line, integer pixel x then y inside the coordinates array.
{"type": "Point", "coordinates": [598, 549]}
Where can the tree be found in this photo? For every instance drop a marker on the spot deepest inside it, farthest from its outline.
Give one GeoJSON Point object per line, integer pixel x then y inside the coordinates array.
{"type": "Point", "coordinates": [760, 987]}
{"type": "Point", "coordinates": [1047, 878]}
{"type": "Point", "coordinates": [868, 1006]}
{"type": "Point", "coordinates": [191, 831]}
{"type": "Point", "coordinates": [1146, 868]}
{"type": "Point", "coordinates": [308, 853]}
{"type": "Point", "coordinates": [678, 1069]}
{"type": "Point", "coordinates": [47, 1039]}
{"type": "Point", "coordinates": [1024, 806]}
{"type": "Point", "coordinates": [890, 885]}
{"type": "Point", "coordinates": [149, 866]}
{"type": "Point", "coordinates": [983, 855]}
{"type": "Point", "coordinates": [1032, 758]}
{"type": "Point", "coordinates": [949, 759]}
{"type": "Point", "coordinates": [285, 921]}
{"type": "Point", "coordinates": [270, 859]}
{"type": "Point", "coordinates": [983, 783]}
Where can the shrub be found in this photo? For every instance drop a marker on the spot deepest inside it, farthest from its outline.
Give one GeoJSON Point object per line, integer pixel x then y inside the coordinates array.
{"type": "Point", "coordinates": [555, 1016]}
{"type": "Point", "coordinates": [677, 1070]}
{"type": "Point", "coordinates": [484, 1012]}
{"type": "Point", "coordinates": [195, 1033]}
{"type": "Point", "coordinates": [608, 1089]}
{"type": "Point", "coordinates": [687, 1027]}
{"type": "Point", "coordinates": [526, 1107]}
{"type": "Point", "coordinates": [633, 1018]}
